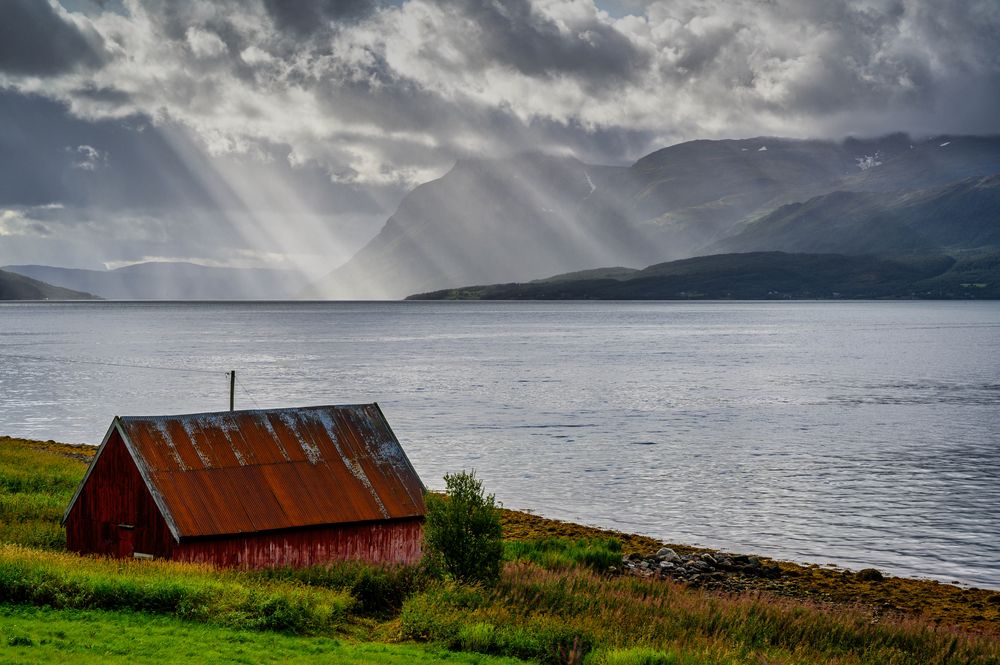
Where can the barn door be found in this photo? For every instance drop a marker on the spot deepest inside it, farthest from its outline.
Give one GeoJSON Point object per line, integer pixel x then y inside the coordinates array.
{"type": "Point", "coordinates": [126, 546]}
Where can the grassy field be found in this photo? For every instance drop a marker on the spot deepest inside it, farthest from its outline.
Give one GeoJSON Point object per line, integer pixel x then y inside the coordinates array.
{"type": "Point", "coordinates": [555, 603]}
{"type": "Point", "coordinates": [538, 614]}
{"type": "Point", "coordinates": [31, 635]}
{"type": "Point", "coordinates": [186, 591]}
{"type": "Point", "coordinates": [37, 480]}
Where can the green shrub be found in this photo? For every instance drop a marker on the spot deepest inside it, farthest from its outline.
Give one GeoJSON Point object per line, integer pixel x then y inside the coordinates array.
{"type": "Point", "coordinates": [379, 590]}
{"type": "Point", "coordinates": [469, 619]}
{"type": "Point", "coordinates": [480, 637]}
{"type": "Point", "coordinates": [462, 534]}
{"type": "Point", "coordinates": [422, 620]}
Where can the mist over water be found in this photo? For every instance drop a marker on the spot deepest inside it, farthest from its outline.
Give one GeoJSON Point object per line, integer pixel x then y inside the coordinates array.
{"type": "Point", "coordinates": [864, 434]}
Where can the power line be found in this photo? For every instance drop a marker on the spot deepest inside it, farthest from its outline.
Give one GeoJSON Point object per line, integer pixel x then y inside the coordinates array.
{"type": "Point", "coordinates": [103, 363]}
{"type": "Point", "coordinates": [244, 389]}
{"type": "Point", "coordinates": [110, 364]}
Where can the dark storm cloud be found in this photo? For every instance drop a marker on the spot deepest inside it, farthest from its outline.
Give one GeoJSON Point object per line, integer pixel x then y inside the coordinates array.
{"type": "Point", "coordinates": [867, 61]}
{"type": "Point", "coordinates": [47, 155]}
{"type": "Point", "coordinates": [367, 89]}
{"type": "Point", "coordinates": [78, 192]}
{"type": "Point", "coordinates": [513, 33]}
{"type": "Point", "coordinates": [337, 108]}
{"type": "Point", "coordinates": [105, 95]}
{"type": "Point", "coordinates": [307, 16]}
{"type": "Point", "coordinates": [408, 108]}
{"type": "Point", "coordinates": [37, 41]}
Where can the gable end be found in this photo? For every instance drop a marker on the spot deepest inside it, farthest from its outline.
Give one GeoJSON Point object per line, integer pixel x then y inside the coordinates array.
{"type": "Point", "coordinates": [140, 467]}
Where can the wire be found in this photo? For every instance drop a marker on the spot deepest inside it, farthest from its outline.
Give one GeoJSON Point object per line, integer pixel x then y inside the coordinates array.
{"type": "Point", "coordinates": [244, 388]}
{"type": "Point", "coordinates": [131, 366]}
{"type": "Point", "coordinates": [109, 364]}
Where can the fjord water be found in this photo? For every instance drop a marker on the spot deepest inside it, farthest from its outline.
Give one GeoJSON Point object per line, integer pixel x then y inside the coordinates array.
{"type": "Point", "coordinates": [862, 433]}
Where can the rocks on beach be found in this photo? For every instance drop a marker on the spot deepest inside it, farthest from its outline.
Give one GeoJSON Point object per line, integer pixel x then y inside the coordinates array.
{"type": "Point", "coordinates": [870, 575]}
{"type": "Point", "coordinates": [725, 572]}
{"type": "Point", "coordinates": [714, 570]}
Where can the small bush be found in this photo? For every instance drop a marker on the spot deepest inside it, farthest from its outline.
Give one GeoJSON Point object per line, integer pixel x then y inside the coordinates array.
{"type": "Point", "coordinates": [422, 620]}
{"type": "Point", "coordinates": [479, 637]}
{"type": "Point", "coordinates": [455, 616]}
{"type": "Point", "coordinates": [379, 590]}
{"type": "Point", "coordinates": [462, 534]}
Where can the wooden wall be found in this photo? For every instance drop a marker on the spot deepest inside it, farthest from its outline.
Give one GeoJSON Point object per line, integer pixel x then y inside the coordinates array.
{"type": "Point", "coordinates": [114, 499]}
{"type": "Point", "coordinates": [396, 541]}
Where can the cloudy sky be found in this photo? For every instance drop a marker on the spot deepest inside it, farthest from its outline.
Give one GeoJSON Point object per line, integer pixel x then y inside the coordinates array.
{"type": "Point", "coordinates": [273, 132]}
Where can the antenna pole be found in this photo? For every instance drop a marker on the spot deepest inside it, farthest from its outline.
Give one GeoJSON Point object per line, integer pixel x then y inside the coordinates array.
{"type": "Point", "coordinates": [232, 389]}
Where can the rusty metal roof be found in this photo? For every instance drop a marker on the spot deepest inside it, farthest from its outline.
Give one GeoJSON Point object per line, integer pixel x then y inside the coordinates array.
{"type": "Point", "coordinates": [244, 471]}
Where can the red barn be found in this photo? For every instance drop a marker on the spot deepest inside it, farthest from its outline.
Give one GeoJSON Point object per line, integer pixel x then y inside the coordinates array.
{"type": "Point", "coordinates": [252, 489]}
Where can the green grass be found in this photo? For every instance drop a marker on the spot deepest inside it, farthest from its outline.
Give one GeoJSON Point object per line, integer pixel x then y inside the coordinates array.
{"type": "Point", "coordinates": [379, 590]}
{"type": "Point", "coordinates": [547, 614]}
{"type": "Point", "coordinates": [597, 554]}
{"type": "Point", "coordinates": [31, 635]}
{"type": "Point", "coordinates": [189, 591]}
{"type": "Point", "coordinates": [36, 483]}
{"type": "Point", "coordinates": [639, 656]}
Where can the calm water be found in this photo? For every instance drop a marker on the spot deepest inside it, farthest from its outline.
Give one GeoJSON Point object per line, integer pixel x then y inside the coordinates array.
{"type": "Point", "coordinates": [864, 434]}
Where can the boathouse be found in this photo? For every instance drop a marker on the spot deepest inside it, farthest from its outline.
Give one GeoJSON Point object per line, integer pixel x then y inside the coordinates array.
{"type": "Point", "coordinates": [251, 489]}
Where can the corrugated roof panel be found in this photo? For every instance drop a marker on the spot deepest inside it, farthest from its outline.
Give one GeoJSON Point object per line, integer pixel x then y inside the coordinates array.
{"type": "Point", "coordinates": [299, 505]}
{"type": "Point", "coordinates": [198, 516]}
{"type": "Point", "coordinates": [261, 508]}
{"type": "Point", "coordinates": [243, 471]}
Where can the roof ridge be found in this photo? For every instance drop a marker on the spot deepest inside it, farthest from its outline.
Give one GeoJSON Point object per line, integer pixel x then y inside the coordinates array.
{"type": "Point", "coordinates": [247, 411]}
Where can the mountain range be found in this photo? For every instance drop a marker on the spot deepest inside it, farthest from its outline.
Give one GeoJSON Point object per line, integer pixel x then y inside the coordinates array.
{"type": "Point", "coordinates": [954, 217]}
{"type": "Point", "coordinates": [170, 281]}
{"type": "Point", "coordinates": [761, 276]}
{"type": "Point", "coordinates": [19, 287]}
{"type": "Point", "coordinates": [521, 218]}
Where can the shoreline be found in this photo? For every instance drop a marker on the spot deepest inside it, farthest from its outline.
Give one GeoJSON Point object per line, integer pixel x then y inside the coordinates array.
{"type": "Point", "coordinates": [972, 608]}
{"type": "Point", "coordinates": [715, 571]}
{"type": "Point", "coordinates": [804, 561]}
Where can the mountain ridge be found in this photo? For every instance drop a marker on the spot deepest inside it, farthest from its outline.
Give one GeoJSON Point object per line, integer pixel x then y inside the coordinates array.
{"type": "Point", "coordinates": [763, 276]}
{"type": "Point", "coordinates": [532, 215]}
{"type": "Point", "coordinates": [18, 287]}
{"type": "Point", "coordinates": [170, 281]}
{"type": "Point", "coordinates": [962, 215]}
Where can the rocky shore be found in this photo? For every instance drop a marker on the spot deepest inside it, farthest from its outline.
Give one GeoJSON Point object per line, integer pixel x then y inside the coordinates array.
{"type": "Point", "coordinates": [712, 571]}
{"type": "Point", "coordinates": [723, 572]}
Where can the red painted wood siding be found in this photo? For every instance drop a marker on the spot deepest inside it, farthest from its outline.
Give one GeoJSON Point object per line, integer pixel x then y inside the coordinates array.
{"type": "Point", "coordinates": [115, 495]}
{"type": "Point", "coordinates": [396, 541]}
